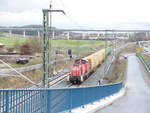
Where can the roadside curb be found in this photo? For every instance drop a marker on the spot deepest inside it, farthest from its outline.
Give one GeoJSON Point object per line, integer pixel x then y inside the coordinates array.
{"type": "Point", "coordinates": [97, 105]}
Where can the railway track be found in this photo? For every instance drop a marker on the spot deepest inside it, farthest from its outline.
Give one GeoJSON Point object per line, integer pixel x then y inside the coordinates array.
{"type": "Point", "coordinates": [70, 85]}
{"type": "Point", "coordinates": [57, 78]}
{"type": "Point", "coordinates": [6, 72]}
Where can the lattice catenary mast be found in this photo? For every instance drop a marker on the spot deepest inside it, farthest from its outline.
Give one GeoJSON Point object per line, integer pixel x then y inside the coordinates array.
{"type": "Point", "coordinates": [46, 43]}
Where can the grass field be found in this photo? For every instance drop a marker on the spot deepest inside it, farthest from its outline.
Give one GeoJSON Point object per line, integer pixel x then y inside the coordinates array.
{"type": "Point", "coordinates": [55, 43]}
{"type": "Point", "coordinates": [31, 62]}
{"type": "Point", "coordinates": [77, 46]}
{"type": "Point", "coordinates": [118, 73]}
{"type": "Point", "coordinates": [147, 59]}
{"type": "Point", "coordinates": [9, 42]}
{"type": "Point", "coordinates": [81, 47]}
{"type": "Point", "coordinates": [75, 43]}
{"type": "Point", "coordinates": [19, 82]}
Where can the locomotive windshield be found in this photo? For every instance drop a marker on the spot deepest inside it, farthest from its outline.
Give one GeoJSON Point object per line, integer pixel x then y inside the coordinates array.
{"type": "Point", "coordinates": [80, 61]}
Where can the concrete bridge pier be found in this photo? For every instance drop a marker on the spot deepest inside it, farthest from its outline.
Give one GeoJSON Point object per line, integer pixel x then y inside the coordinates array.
{"type": "Point", "coordinates": [38, 34]}
{"type": "Point", "coordinates": [98, 36]}
{"type": "Point", "coordinates": [147, 34]}
{"type": "Point", "coordinates": [53, 35]}
{"type": "Point", "coordinates": [24, 33]}
{"type": "Point", "coordinates": [83, 35]}
{"type": "Point", "coordinates": [68, 35]}
{"type": "Point", "coordinates": [128, 35]}
{"type": "Point", "coordinates": [10, 32]}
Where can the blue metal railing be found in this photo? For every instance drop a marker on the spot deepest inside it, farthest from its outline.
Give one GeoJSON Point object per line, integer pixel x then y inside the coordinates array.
{"type": "Point", "coordinates": [52, 100]}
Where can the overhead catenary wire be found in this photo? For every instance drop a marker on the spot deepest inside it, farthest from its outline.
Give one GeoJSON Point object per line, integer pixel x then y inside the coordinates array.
{"type": "Point", "coordinates": [18, 73]}
{"type": "Point", "coordinates": [62, 3]}
{"type": "Point", "coordinates": [68, 17]}
{"type": "Point", "coordinates": [50, 2]}
{"type": "Point", "coordinates": [79, 26]}
{"type": "Point", "coordinates": [74, 22]}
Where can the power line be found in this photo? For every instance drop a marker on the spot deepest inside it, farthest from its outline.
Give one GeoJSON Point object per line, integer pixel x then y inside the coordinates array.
{"type": "Point", "coordinates": [62, 3]}
{"type": "Point", "coordinates": [23, 76]}
{"type": "Point", "coordinates": [50, 2]}
{"type": "Point", "coordinates": [72, 20]}
{"type": "Point", "coordinates": [79, 26]}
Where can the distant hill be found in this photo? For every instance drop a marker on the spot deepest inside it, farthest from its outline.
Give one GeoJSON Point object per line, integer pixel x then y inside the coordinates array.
{"type": "Point", "coordinates": [32, 32]}
{"type": "Point", "coordinates": [31, 26]}
{"type": "Point", "coordinates": [2, 27]}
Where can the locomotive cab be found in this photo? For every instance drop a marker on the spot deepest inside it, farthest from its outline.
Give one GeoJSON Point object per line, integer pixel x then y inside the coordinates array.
{"type": "Point", "coordinates": [78, 70]}
{"type": "Point", "coordinates": [84, 67]}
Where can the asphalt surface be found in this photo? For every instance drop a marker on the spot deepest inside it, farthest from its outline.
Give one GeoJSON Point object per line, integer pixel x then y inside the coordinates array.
{"type": "Point", "coordinates": [137, 98]}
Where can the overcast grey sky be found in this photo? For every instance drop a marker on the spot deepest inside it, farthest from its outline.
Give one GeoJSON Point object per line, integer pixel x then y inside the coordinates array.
{"type": "Point", "coordinates": [87, 13]}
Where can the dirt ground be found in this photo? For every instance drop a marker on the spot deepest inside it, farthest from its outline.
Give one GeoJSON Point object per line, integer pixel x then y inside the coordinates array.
{"type": "Point", "coordinates": [34, 75]}
{"type": "Point", "coordinates": [119, 69]}
{"type": "Point", "coordinates": [18, 82]}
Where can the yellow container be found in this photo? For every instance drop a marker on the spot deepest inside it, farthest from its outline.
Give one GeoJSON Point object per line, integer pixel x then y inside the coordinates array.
{"type": "Point", "coordinates": [95, 59]}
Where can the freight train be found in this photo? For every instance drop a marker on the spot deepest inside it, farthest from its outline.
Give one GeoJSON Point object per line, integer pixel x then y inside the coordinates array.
{"type": "Point", "coordinates": [84, 67]}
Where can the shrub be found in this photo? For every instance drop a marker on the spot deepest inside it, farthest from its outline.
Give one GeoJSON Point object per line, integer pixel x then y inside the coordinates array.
{"type": "Point", "coordinates": [26, 49]}
{"type": "Point", "coordinates": [36, 44]}
{"type": "Point", "coordinates": [10, 49]}
{"type": "Point", "coordinates": [30, 47]}
{"type": "Point", "coordinates": [17, 46]}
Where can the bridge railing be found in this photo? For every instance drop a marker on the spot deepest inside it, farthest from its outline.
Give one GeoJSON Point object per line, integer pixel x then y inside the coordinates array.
{"type": "Point", "coordinates": [52, 100]}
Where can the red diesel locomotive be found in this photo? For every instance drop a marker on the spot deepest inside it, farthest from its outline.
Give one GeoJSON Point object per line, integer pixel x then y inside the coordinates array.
{"type": "Point", "coordinates": [83, 68]}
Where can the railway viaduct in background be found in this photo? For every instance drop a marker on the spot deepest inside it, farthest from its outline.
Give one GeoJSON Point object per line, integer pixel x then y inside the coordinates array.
{"type": "Point", "coordinates": [66, 32]}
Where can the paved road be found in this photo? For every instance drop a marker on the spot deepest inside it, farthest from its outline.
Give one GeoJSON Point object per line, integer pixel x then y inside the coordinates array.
{"type": "Point", "coordinates": [137, 99]}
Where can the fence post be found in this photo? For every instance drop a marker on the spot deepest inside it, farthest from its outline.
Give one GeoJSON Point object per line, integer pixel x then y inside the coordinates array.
{"type": "Point", "coordinates": [70, 96]}
{"type": "Point", "coordinates": [92, 95]}
{"type": "Point", "coordinates": [83, 97]}
{"type": "Point", "coordinates": [7, 101]}
{"type": "Point", "coordinates": [48, 102]}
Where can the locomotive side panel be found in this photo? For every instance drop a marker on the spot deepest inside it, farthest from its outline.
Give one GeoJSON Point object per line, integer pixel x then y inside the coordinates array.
{"type": "Point", "coordinates": [96, 58]}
